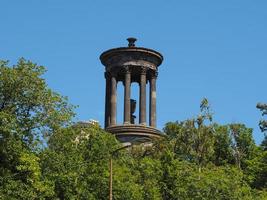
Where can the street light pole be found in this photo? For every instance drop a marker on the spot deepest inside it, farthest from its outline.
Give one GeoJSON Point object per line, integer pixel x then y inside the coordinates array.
{"type": "Point", "coordinates": [110, 178]}
{"type": "Point", "coordinates": [124, 146]}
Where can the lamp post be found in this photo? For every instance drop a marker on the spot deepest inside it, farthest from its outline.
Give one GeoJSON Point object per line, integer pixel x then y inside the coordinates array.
{"type": "Point", "coordinates": [124, 146]}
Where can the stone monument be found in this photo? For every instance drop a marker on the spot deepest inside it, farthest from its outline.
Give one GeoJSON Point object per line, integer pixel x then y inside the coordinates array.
{"type": "Point", "coordinates": [131, 64]}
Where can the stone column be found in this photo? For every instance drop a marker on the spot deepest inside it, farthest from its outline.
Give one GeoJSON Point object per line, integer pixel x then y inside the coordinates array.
{"type": "Point", "coordinates": [127, 96]}
{"type": "Point", "coordinates": [152, 108]}
{"type": "Point", "coordinates": [107, 100]}
{"type": "Point", "coordinates": [142, 96]}
{"type": "Point", "coordinates": [113, 100]}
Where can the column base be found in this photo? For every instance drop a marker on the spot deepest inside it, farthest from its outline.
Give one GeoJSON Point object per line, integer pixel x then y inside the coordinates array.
{"type": "Point", "coordinates": [130, 132]}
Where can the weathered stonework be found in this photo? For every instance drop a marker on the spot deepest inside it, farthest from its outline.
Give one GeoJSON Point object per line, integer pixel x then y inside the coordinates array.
{"type": "Point", "coordinates": [131, 64]}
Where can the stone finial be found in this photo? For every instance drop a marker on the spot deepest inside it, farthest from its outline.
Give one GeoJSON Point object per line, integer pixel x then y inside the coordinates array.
{"type": "Point", "coordinates": [131, 41]}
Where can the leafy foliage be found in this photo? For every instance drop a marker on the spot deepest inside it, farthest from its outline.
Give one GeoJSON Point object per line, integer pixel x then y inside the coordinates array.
{"type": "Point", "coordinates": [77, 162]}
{"type": "Point", "coordinates": [43, 155]}
{"type": "Point", "coordinates": [29, 111]}
{"type": "Point", "coordinates": [263, 123]}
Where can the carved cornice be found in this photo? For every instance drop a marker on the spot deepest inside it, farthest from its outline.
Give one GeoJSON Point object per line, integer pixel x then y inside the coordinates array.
{"type": "Point", "coordinates": [126, 54]}
{"type": "Point", "coordinates": [144, 70]}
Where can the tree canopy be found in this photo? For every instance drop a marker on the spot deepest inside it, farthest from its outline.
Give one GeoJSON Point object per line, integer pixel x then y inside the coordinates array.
{"type": "Point", "coordinates": [44, 155]}
{"type": "Point", "coordinates": [30, 112]}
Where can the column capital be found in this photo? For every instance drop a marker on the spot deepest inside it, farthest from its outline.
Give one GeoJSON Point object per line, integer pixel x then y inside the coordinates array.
{"type": "Point", "coordinates": [113, 74]}
{"type": "Point", "coordinates": [154, 74]}
{"type": "Point", "coordinates": [107, 75]}
{"type": "Point", "coordinates": [127, 69]}
{"type": "Point", "coordinates": [143, 70]}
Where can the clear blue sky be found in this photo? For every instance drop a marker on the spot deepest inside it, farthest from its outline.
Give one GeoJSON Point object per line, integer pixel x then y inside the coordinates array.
{"type": "Point", "coordinates": [212, 49]}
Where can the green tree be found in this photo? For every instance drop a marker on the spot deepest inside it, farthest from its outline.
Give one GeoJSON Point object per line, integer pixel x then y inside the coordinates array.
{"type": "Point", "coordinates": [242, 143]}
{"type": "Point", "coordinates": [181, 181]}
{"type": "Point", "coordinates": [77, 159]}
{"type": "Point", "coordinates": [263, 123]}
{"type": "Point", "coordinates": [193, 139]}
{"type": "Point", "coordinates": [150, 174]}
{"type": "Point", "coordinates": [256, 170]}
{"type": "Point", "coordinates": [223, 150]}
{"type": "Point", "coordinates": [29, 111]}
{"type": "Point", "coordinates": [44, 156]}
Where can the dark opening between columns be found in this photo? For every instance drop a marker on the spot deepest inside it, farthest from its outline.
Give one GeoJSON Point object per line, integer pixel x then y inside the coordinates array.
{"type": "Point", "coordinates": [130, 65]}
